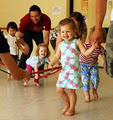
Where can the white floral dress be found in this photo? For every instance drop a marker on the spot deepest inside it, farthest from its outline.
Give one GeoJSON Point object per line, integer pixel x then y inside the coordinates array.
{"type": "Point", "coordinates": [70, 76]}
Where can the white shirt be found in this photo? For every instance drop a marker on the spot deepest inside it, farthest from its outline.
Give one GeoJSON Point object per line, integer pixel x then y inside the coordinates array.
{"type": "Point", "coordinates": [12, 45]}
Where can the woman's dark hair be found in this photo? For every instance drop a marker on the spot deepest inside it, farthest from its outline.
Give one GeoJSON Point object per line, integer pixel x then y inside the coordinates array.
{"type": "Point", "coordinates": [35, 8]}
{"type": "Point", "coordinates": [12, 25]}
{"type": "Point", "coordinates": [79, 18]}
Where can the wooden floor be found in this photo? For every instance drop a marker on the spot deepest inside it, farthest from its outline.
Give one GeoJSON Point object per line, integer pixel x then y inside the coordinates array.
{"type": "Point", "coordinates": [31, 103]}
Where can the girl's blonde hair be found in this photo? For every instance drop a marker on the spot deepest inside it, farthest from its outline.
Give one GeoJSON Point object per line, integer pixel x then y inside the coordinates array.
{"type": "Point", "coordinates": [42, 45]}
{"type": "Point", "coordinates": [103, 34]}
{"type": "Point", "coordinates": [67, 21]}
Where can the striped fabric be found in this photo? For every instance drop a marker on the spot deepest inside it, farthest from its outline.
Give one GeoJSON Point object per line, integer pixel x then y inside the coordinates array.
{"type": "Point", "coordinates": [93, 57]}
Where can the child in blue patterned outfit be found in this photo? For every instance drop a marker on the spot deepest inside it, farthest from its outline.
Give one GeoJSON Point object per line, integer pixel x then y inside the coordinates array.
{"type": "Point", "coordinates": [33, 63]}
{"type": "Point", "coordinates": [70, 77]}
{"type": "Point", "coordinates": [89, 66]}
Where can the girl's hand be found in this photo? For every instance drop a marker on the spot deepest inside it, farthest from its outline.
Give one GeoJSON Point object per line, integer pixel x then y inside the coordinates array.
{"type": "Point", "coordinates": [95, 45]}
{"type": "Point", "coordinates": [50, 66]}
{"type": "Point", "coordinates": [58, 64]}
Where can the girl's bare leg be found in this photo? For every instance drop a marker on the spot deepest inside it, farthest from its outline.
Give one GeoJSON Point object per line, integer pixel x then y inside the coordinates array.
{"type": "Point", "coordinates": [95, 94]}
{"type": "Point", "coordinates": [25, 82]}
{"type": "Point", "coordinates": [8, 77]}
{"type": "Point", "coordinates": [37, 84]}
{"type": "Point", "coordinates": [87, 96]}
{"type": "Point", "coordinates": [73, 100]}
{"type": "Point", "coordinates": [65, 97]}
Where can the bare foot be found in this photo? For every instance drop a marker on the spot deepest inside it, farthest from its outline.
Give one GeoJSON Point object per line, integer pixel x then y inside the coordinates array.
{"type": "Point", "coordinates": [9, 77]}
{"type": "Point", "coordinates": [95, 94]}
{"type": "Point", "coordinates": [37, 84]}
{"type": "Point", "coordinates": [87, 98]}
{"type": "Point", "coordinates": [65, 109]}
{"type": "Point", "coordinates": [25, 82]}
{"type": "Point", "coordinates": [70, 112]}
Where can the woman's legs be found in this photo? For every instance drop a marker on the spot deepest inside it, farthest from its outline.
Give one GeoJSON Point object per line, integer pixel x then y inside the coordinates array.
{"type": "Point", "coordinates": [65, 97]}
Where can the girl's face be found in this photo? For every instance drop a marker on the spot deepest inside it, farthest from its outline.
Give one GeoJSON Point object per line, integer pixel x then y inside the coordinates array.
{"type": "Point", "coordinates": [67, 33]}
{"type": "Point", "coordinates": [42, 52]}
{"type": "Point", "coordinates": [11, 31]}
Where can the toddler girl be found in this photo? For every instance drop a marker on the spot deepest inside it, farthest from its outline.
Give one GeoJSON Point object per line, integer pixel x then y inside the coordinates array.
{"type": "Point", "coordinates": [89, 66]}
{"type": "Point", "coordinates": [33, 63]}
{"type": "Point", "coordinates": [69, 78]}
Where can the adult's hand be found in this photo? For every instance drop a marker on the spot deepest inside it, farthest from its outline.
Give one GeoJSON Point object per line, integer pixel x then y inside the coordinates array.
{"type": "Point", "coordinates": [26, 49]}
{"type": "Point", "coordinates": [96, 36]}
{"type": "Point", "coordinates": [23, 46]}
{"type": "Point", "coordinates": [16, 72]}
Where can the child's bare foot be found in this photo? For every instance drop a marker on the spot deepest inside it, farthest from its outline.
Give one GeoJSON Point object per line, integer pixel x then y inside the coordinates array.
{"type": "Point", "coordinates": [70, 112]}
{"type": "Point", "coordinates": [37, 84]}
{"type": "Point", "coordinates": [9, 77]}
{"type": "Point", "coordinates": [65, 109]}
{"type": "Point", "coordinates": [95, 94]}
{"type": "Point", "coordinates": [25, 82]}
{"type": "Point", "coordinates": [87, 98]}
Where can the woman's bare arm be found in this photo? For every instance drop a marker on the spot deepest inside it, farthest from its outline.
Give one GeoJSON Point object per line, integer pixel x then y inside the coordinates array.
{"type": "Point", "coordinates": [16, 72]}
